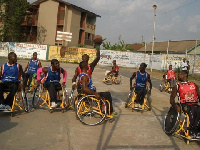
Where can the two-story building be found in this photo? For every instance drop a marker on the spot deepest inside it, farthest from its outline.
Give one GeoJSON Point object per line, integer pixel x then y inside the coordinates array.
{"type": "Point", "coordinates": [46, 17]}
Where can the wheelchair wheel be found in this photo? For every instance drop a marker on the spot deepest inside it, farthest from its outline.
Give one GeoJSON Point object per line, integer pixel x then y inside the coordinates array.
{"type": "Point", "coordinates": [148, 102]}
{"type": "Point", "coordinates": [161, 87]}
{"type": "Point", "coordinates": [118, 80]}
{"type": "Point", "coordinates": [172, 120]}
{"type": "Point", "coordinates": [36, 96]}
{"type": "Point", "coordinates": [90, 111]}
{"type": "Point", "coordinates": [25, 101]}
{"type": "Point", "coordinates": [129, 99]}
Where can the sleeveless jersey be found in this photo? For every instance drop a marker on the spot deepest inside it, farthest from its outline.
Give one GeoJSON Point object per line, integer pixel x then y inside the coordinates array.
{"type": "Point", "coordinates": [187, 93]}
{"type": "Point", "coordinates": [33, 66]}
{"type": "Point", "coordinates": [171, 74]}
{"type": "Point", "coordinates": [52, 76]}
{"type": "Point", "coordinates": [116, 68]}
{"type": "Point", "coordinates": [89, 71]}
{"type": "Point", "coordinates": [140, 80]}
{"type": "Point", "coordinates": [10, 73]}
{"type": "Point", "coordinates": [90, 84]}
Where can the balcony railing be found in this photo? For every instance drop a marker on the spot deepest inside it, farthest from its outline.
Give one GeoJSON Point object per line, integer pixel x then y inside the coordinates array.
{"type": "Point", "coordinates": [90, 26]}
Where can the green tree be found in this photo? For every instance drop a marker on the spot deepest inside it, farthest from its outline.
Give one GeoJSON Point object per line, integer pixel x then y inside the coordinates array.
{"type": "Point", "coordinates": [12, 15]}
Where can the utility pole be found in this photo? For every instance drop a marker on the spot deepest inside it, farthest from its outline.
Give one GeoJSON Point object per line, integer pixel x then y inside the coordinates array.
{"type": "Point", "coordinates": [154, 26]}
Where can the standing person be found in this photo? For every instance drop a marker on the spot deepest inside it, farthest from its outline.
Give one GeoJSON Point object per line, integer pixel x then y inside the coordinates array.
{"type": "Point", "coordinates": [188, 68]}
{"type": "Point", "coordinates": [51, 80]}
{"type": "Point", "coordinates": [31, 69]}
{"type": "Point", "coordinates": [10, 75]}
{"type": "Point", "coordinates": [97, 41]}
{"type": "Point", "coordinates": [188, 96]}
{"type": "Point", "coordinates": [170, 76]}
{"type": "Point", "coordinates": [184, 65]}
{"type": "Point", "coordinates": [141, 79]}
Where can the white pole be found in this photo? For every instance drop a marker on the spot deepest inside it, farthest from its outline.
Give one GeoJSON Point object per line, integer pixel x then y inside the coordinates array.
{"type": "Point", "coordinates": [195, 52]}
{"type": "Point", "coordinates": [154, 26]}
{"type": "Point", "coordinates": [145, 48]}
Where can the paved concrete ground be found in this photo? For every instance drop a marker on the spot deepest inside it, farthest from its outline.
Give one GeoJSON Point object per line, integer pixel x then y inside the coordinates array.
{"type": "Point", "coordinates": [42, 130]}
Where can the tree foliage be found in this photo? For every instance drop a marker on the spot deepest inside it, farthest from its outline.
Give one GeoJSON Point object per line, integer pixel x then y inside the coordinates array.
{"type": "Point", "coordinates": [12, 15]}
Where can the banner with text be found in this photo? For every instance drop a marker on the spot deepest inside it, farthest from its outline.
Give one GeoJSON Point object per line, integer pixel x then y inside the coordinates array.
{"type": "Point", "coordinates": [4, 48]}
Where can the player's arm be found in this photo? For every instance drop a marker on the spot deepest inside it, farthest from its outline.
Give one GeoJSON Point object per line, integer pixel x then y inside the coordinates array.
{"type": "Point", "coordinates": [173, 95]}
{"type": "Point", "coordinates": [86, 89]}
{"type": "Point", "coordinates": [132, 77]}
{"type": "Point", "coordinates": [74, 78]}
{"type": "Point", "coordinates": [26, 68]}
{"type": "Point", "coordinates": [64, 72]}
{"type": "Point", "coordinates": [198, 92]}
{"type": "Point", "coordinates": [96, 60]}
{"type": "Point", "coordinates": [39, 64]}
{"type": "Point", "coordinates": [1, 73]}
{"type": "Point", "coordinates": [149, 80]}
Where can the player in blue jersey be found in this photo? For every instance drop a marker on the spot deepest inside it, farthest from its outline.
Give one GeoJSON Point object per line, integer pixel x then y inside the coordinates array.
{"type": "Point", "coordinates": [140, 85]}
{"type": "Point", "coordinates": [51, 80]}
{"type": "Point", "coordinates": [10, 75]}
{"type": "Point", "coordinates": [31, 69]}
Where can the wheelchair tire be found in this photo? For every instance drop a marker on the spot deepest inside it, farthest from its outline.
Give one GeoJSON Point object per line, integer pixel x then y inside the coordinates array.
{"type": "Point", "coordinates": [172, 121]}
{"type": "Point", "coordinates": [161, 87]}
{"type": "Point", "coordinates": [129, 99]}
{"type": "Point", "coordinates": [25, 101]}
{"type": "Point", "coordinates": [90, 112]}
{"type": "Point", "coordinates": [108, 82]}
{"type": "Point", "coordinates": [119, 79]}
{"type": "Point", "coordinates": [36, 96]}
{"type": "Point", "coordinates": [149, 101]}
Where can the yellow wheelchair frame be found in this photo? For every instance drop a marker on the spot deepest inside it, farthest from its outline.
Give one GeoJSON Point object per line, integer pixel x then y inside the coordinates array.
{"type": "Point", "coordinates": [181, 126]}
{"type": "Point", "coordinates": [146, 105]}
{"type": "Point", "coordinates": [165, 87]}
{"type": "Point", "coordinates": [111, 78]}
{"type": "Point", "coordinates": [19, 97]}
{"type": "Point", "coordinates": [45, 97]}
{"type": "Point", "coordinates": [92, 111]}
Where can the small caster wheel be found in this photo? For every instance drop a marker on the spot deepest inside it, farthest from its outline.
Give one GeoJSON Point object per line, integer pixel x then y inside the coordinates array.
{"type": "Point", "coordinates": [188, 142]}
{"type": "Point", "coordinates": [50, 110]}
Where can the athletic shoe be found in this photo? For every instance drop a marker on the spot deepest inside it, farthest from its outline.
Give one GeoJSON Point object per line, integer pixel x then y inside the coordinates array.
{"type": "Point", "coordinates": [7, 107]}
{"type": "Point", "coordinates": [136, 105]}
{"type": "Point", "coordinates": [2, 106]}
{"type": "Point", "coordinates": [53, 104]}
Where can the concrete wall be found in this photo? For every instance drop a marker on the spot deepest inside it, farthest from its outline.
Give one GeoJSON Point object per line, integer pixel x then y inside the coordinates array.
{"type": "Point", "coordinates": [47, 21]}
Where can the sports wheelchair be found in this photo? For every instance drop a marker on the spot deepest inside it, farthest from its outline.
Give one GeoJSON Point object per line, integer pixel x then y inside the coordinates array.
{"type": "Point", "coordinates": [43, 98]}
{"type": "Point", "coordinates": [165, 86]}
{"type": "Point", "coordinates": [112, 78]}
{"type": "Point", "coordinates": [19, 101]}
{"type": "Point", "coordinates": [72, 100]}
{"type": "Point", "coordinates": [131, 102]}
{"type": "Point", "coordinates": [177, 123]}
{"type": "Point", "coordinates": [92, 111]}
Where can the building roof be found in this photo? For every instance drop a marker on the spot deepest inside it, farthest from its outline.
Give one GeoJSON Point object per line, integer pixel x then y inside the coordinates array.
{"type": "Point", "coordinates": [66, 3]}
{"type": "Point", "coordinates": [136, 47]}
{"type": "Point", "coordinates": [174, 46]}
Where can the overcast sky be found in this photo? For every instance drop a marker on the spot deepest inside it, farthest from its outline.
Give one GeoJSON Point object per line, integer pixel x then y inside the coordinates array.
{"type": "Point", "coordinates": [129, 20]}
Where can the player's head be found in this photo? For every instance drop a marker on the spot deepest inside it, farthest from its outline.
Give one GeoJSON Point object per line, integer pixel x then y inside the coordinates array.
{"type": "Point", "coordinates": [170, 67]}
{"type": "Point", "coordinates": [183, 76]}
{"type": "Point", "coordinates": [55, 63]}
{"type": "Point", "coordinates": [34, 55]}
{"type": "Point", "coordinates": [85, 58]}
{"type": "Point", "coordinates": [142, 67]}
{"type": "Point", "coordinates": [83, 65]}
{"type": "Point", "coordinates": [12, 57]}
{"type": "Point", "coordinates": [114, 62]}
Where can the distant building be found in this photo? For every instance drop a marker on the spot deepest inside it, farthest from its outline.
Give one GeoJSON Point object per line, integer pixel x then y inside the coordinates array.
{"type": "Point", "coordinates": [174, 47]}
{"type": "Point", "coordinates": [46, 17]}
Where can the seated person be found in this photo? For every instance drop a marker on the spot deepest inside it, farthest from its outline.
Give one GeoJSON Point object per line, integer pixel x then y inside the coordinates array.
{"type": "Point", "coordinates": [115, 69]}
{"type": "Point", "coordinates": [87, 86]}
{"type": "Point", "coordinates": [31, 69]}
{"type": "Point", "coordinates": [170, 76]}
{"type": "Point", "coordinates": [51, 79]}
{"type": "Point", "coordinates": [141, 79]}
{"type": "Point", "coordinates": [10, 75]}
{"type": "Point", "coordinates": [188, 96]}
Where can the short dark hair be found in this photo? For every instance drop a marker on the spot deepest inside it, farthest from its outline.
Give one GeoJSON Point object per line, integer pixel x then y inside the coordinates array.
{"type": "Point", "coordinates": [11, 53]}
{"type": "Point", "coordinates": [53, 61]}
{"type": "Point", "coordinates": [82, 64]}
{"type": "Point", "coordinates": [185, 71]}
{"type": "Point", "coordinates": [35, 53]}
{"type": "Point", "coordinates": [145, 65]}
{"type": "Point", "coordinates": [170, 65]}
